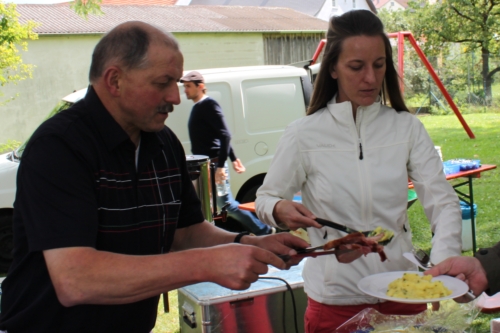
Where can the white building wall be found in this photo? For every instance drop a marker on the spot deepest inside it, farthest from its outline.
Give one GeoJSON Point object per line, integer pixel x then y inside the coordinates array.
{"type": "Point", "coordinates": [62, 65]}
{"type": "Point", "coordinates": [325, 11]}
{"type": "Point", "coordinates": [343, 6]}
{"type": "Point", "coordinates": [392, 6]}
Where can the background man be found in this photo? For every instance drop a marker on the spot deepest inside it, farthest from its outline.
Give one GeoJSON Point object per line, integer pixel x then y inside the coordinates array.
{"type": "Point", "coordinates": [210, 136]}
{"type": "Point", "coordinates": [106, 217]}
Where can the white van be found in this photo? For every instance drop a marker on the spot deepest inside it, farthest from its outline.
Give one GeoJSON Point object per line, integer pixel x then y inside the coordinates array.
{"type": "Point", "coordinates": [258, 103]}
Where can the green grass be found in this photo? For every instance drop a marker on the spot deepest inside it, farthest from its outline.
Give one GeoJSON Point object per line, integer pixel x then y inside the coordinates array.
{"type": "Point", "coordinates": [168, 322]}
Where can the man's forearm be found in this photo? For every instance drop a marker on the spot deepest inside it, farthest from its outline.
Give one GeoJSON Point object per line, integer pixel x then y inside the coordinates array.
{"type": "Point", "coordinates": [88, 276]}
{"type": "Point", "coordinates": [202, 234]}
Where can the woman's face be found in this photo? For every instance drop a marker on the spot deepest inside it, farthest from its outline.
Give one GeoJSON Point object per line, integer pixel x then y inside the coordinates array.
{"type": "Point", "coordinates": [360, 70]}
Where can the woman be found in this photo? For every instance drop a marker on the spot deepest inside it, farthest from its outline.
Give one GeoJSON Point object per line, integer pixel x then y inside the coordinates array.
{"type": "Point", "coordinates": [351, 158]}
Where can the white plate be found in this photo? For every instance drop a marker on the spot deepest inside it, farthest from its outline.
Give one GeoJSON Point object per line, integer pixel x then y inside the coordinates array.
{"type": "Point", "coordinates": [376, 285]}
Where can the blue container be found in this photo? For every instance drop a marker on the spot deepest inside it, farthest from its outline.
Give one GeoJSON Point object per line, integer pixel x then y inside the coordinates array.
{"type": "Point", "coordinates": [450, 168]}
{"type": "Point", "coordinates": [467, 240]}
{"type": "Point", "coordinates": [466, 211]}
{"type": "Point", "coordinates": [459, 164]}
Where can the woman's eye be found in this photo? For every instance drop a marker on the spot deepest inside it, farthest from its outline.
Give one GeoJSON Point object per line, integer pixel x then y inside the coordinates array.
{"type": "Point", "coordinates": [355, 68]}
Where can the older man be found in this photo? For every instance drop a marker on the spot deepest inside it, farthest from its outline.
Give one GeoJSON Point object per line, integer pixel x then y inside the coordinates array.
{"type": "Point", "coordinates": [106, 217]}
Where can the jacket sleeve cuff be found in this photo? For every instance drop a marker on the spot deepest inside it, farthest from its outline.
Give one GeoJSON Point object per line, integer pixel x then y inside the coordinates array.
{"type": "Point", "coordinates": [264, 208]}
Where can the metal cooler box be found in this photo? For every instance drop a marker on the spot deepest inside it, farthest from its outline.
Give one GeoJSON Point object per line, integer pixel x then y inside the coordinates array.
{"type": "Point", "coordinates": [265, 307]}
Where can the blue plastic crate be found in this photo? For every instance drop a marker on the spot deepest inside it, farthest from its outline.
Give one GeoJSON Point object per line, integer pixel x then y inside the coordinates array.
{"type": "Point", "coordinates": [459, 164]}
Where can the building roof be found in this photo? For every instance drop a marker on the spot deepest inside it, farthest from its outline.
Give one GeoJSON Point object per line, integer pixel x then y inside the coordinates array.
{"type": "Point", "coordinates": [58, 19]}
{"type": "Point", "coordinates": [139, 2]}
{"type": "Point", "coordinates": [309, 7]}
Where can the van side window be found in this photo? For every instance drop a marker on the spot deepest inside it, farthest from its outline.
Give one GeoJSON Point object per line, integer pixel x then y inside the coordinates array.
{"type": "Point", "coordinates": [271, 104]}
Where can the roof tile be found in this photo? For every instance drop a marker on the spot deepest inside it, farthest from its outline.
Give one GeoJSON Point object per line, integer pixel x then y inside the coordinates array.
{"type": "Point", "coordinates": [58, 19]}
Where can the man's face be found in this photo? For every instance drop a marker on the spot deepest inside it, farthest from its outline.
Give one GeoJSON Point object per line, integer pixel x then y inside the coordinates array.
{"type": "Point", "coordinates": [192, 90]}
{"type": "Point", "coordinates": [360, 70]}
{"type": "Point", "coordinates": [148, 94]}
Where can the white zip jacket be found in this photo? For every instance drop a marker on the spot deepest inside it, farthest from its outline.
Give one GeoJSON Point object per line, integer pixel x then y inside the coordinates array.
{"type": "Point", "coordinates": [356, 173]}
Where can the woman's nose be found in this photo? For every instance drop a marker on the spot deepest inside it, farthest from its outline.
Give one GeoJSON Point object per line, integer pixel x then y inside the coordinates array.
{"type": "Point", "coordinates": [370, 75]}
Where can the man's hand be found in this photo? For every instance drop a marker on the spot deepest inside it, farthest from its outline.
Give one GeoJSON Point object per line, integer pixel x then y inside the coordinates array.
{"type": "Point", "coordinates": [238, 166]}
{"type": "Point", "coordinates": [282, 243]}
{"type": "Point", "coordinates": [467, 269]}
{"type": "Point", "coordinates": [220, 175]}
{"type": "Point", "coordinates": [236, 266]}
{"type": "Point", "coordinates": [294, 215]}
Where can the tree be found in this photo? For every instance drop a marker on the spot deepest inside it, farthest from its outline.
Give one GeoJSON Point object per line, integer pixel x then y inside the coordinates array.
{"type": "Point", "coordinates": [472, 23]}
{"type": "Point", "coordinates": [13, 35]}
{"type": "Point", "coordinates": [415, 74]}
{"type": "Point", "coordinates": [86, 7]}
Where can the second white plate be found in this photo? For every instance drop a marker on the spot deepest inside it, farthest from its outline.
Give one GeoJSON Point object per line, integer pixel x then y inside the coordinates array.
{"type": "Point", "coordinates": [376, 285]}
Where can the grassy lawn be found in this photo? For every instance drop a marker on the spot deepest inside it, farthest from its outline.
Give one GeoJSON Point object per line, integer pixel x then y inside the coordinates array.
{"type": "Point", "coordinates": [168, 322]}
{"type": "Point", "coordinates": [447, 132]}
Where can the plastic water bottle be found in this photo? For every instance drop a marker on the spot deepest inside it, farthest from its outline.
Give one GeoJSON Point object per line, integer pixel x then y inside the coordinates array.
{"type": "Point", "coordinates": [223, 188]}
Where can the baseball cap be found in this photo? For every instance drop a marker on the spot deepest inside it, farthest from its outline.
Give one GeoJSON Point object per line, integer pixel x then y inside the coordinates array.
{"type": "Point", "coordinates": [192, 76]}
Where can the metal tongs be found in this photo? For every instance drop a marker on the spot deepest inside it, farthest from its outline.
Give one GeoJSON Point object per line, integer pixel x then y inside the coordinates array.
{"type": "Point", "coordinates": [312, 252]}
{"type": "Point", "coordinates": [345, 229]}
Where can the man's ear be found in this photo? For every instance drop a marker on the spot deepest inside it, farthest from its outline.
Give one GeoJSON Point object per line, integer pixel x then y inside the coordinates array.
{"type": "Point", "coordinates": [112, 78]}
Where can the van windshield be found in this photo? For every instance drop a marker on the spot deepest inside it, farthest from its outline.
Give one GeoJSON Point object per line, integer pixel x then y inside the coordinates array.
{"type": "Point", "coordinates": [62, 105]}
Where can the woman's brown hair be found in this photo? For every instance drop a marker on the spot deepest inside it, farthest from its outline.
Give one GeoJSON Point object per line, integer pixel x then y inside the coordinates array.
{"type": "Point", "coordinates": [351, 24]}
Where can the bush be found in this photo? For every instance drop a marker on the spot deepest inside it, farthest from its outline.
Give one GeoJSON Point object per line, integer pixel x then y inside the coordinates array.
{"type": "Point", "coordinates": [11, 145]}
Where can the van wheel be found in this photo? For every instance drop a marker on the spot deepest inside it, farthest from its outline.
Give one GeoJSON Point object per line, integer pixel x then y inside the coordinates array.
{"type": "Point", "coordinates": [250, 195]}
{"type": "Point", "coordinates": [6, 242]}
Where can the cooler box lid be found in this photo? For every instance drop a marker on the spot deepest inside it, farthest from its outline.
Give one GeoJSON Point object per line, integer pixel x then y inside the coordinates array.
{"type": "Point", "coordinates": [207, 293]}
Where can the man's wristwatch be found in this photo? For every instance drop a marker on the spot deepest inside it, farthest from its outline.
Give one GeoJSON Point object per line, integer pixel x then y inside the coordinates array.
{"type": "Point", "coordinates": [237, 239]}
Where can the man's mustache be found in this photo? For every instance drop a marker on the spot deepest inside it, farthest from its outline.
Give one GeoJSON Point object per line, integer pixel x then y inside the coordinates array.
{"type": "Point", "coordinates": [166, 108]}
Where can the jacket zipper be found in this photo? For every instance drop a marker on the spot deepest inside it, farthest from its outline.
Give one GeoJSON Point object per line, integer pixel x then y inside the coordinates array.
{"type": "Point", "coordinates": [358, 128]}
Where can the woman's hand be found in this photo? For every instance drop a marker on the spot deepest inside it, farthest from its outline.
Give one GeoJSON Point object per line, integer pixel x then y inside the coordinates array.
{"type": "Point", "coordinates": [294, 215]}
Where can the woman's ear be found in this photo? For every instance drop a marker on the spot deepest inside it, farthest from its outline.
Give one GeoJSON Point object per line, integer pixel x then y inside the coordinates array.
{"type": "Point", "coordinates": [333, 73]}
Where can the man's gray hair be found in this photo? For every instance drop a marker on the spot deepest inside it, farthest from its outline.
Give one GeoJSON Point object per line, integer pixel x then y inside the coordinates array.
{"type": "Point", "coordinates": [127, 46]}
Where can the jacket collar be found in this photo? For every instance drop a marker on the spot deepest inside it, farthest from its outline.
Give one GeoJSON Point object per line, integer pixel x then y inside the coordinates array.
{"type": "Point", "coordinates": [342, 112]}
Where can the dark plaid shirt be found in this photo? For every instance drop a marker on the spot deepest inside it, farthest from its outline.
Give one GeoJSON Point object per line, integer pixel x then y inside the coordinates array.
{"type": "Point", "coordinates": [78, 186]}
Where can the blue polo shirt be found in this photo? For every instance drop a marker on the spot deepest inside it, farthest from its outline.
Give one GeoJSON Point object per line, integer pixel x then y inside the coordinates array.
{"type": "Point", "coordinates": [78, 185]}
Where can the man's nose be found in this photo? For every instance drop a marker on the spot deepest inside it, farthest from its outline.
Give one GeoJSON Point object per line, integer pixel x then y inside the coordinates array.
{"type": "Point", "coordinates": [173, 95]}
